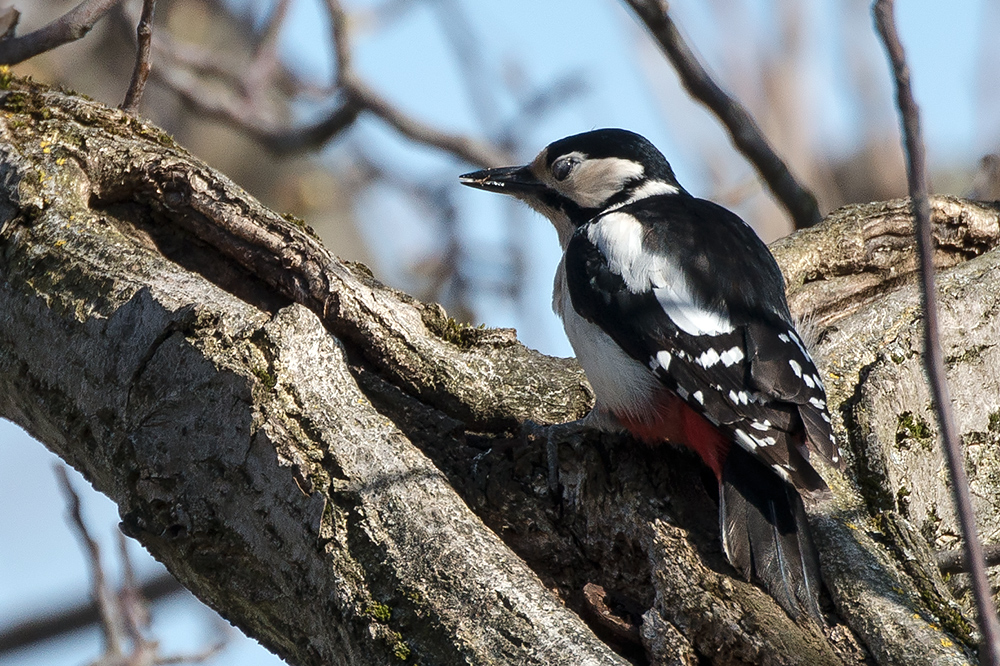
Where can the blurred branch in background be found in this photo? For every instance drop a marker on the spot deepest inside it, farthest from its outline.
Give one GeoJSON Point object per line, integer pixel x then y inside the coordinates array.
{"type": "Point", "coordinates": [123, 614]}
{"type": "Point", "coordinates": [746, 134]}
{"type": "Point", "coordinates": [989, 625]}
{"type": "Point", "coordinates": [50, 624]}
{"type": "Point", "coordinates": [69, 27]}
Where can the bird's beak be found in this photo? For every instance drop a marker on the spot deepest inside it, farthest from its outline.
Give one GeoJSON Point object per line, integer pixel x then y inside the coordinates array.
{"type": "Point", "coordinates": [516, 181]}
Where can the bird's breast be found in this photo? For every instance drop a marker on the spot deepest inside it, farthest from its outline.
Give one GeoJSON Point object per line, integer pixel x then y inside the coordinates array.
{"type": "Point", "coordinates": [622, 385]}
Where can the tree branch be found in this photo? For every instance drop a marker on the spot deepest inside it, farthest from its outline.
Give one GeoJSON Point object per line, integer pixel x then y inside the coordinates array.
{"type": "Point", "coordinates": [466, 148]}
{"type": "Point", "coordinates": [746, 135]}
{"type": "Point", "coordinates": [69, 27]}
{"type": "Point", "coordinates": [58, 621]}
{"type": "Point", "coordinates": [255, 408]}
{"type": "Point", "coordinates": [144, 39]}
{"type": "Point", "coordinates": [954, 561]}
{"type": "Point", "coordinates": [916, 178]}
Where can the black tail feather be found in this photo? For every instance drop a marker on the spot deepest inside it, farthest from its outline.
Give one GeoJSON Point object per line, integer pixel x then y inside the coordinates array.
{"type": "Point", "coordinates": [765, 534]}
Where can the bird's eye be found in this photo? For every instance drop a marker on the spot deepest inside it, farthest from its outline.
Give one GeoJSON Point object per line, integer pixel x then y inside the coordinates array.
{"type": "Point", "coordinates": [563, 166]}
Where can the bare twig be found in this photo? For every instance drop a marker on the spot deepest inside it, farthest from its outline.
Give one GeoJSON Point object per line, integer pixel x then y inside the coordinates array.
{"type": "Point", "coordinates": [276, 138]}
{"type": "Point", "coordinates": [144, 36]}
{"type": "Point", "coordinates": [103, 596]}
{"type": "Point", "coordinates": [56, 622]}
{"type": "Point", "coordinates": [69, 27]}
{"type": "Point", "coordinates": [746, 135]}
{"type": "Point", "coordinates": [989, 652]}
{"type": "Point", "coordinates": [465, 44]}
{"type": "Point", "coordinates": [466, 148]}
{"type": "Point", "coordinates": [193, 658]}
{"type": "Point", "coordinates": [954, 561]}
{"type": "Point", "coordinates": [134, 607]}
{"type": "Point", "coordinates": [9, 18]}
{"type": "Point", "coordinates": [124, 616]}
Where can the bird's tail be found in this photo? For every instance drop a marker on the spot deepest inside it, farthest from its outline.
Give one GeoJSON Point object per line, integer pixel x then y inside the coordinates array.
{"type": "Point", "coordinates": [765, 534]}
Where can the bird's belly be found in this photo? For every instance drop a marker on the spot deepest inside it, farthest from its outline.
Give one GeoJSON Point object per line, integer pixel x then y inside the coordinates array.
{"type": "Point", "coordinates": [622, 385]}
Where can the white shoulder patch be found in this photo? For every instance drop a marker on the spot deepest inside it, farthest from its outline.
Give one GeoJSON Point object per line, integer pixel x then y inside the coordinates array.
{"type": "Point", "coordinates": [597, 180]}
{"type": "Point", "coordinates": [619, 238]}
{"type": "Point", "coordinates": [687, 315]}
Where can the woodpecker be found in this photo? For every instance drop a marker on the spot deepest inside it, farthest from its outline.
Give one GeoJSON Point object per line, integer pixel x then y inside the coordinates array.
{"type": "Point", "coordinates": [677, 313]}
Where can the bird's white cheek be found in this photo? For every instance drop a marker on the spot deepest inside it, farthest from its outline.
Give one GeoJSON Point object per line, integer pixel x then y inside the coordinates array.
{"type": "Point", "coordinates": [597, 180]}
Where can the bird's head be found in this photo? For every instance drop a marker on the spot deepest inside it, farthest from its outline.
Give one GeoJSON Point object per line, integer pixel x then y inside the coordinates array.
{"type": "Point", "coordinates": [576, 178]}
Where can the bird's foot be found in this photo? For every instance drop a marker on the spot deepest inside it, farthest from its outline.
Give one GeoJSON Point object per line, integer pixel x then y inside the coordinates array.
{"type": "Point", "coordinates": [571, 432]}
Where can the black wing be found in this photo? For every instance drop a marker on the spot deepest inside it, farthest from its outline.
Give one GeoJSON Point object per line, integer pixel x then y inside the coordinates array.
{"type": "Point", "coordinates": [753, 379]}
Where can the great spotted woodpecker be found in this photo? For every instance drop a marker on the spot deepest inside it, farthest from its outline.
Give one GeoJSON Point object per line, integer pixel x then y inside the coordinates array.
{"type": "Point", "coordinates": [676, 311]}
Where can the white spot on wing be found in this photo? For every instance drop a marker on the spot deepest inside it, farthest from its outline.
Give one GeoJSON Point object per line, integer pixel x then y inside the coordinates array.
{"type": "Point", "coordinates": [663, 359]}
{"type": "Point", "coordinates": [782, 473]}
{"type": "Point", "coordinates": [798, 343]}
{"type": "Point", "coordinates": [682, 392]}
{"type": "Point", "coordinates": [751, 442]}
{"type": "Point", "coordinates": [709, 358]}
{"type": "Point", "coordinates": [796, 367]}
{"type": "Point", "coordinates": [745, 441]}
{"type": "Point", "coordinates": [817, 403]}
{"type": "Point", "coordinates": [699, 396]}
{"type": "Point", "coordinates": [691, 318]}
{"type": "Point", "coordinates": [766, 425]}
{"type": "Point", "coordinates": [731, 356]}
{"type": "Point", "coordinates": [809, 381]}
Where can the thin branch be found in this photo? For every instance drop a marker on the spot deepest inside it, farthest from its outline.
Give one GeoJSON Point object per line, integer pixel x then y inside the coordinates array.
{"type": "Point", "coordinates": [103, 597]}
{"type": "Point", "coordinates": [144, 36]}
{"type": "Point", "coordinates": [277, 139]}
{"type": "Point", "coordinates": [56, 622]}
{"type": "Point", "coordinates": [989, 652]}
{"type": "Point", "coordinates": [954, 561]}
{"type": "Point", "coordinates": [472, 151]}
{"type": "Point", "coordinates": [69, 27]}
{"type": "Point", "coordinates": [266, 61]}
{"type": "Point", "coordinates": [134, 607]}
{"type": "Point", "coordinates": [341, 45]}
{"type": "Point", "coordinates": [193, 658]}
{"type": "Point", "coordinates": [746, 135]}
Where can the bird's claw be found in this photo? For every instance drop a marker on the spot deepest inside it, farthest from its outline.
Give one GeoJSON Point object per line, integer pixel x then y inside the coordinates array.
{"type": "Point", "coordinates": [554, 434]}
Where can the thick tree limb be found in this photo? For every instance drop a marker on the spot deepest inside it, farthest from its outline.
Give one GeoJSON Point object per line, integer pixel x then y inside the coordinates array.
{"type": "Point", "coordinates": [302, 446]}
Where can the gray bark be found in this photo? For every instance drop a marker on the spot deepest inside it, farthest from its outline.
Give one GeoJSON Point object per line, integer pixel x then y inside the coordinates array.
{"type": "Point", "coordinates": [338, 468]}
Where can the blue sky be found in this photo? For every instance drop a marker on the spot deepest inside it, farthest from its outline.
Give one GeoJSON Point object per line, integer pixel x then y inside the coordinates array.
{"type": "Point", "coordinates": [40, 560]}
